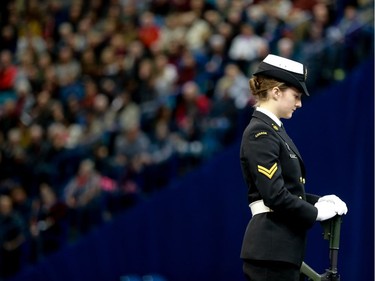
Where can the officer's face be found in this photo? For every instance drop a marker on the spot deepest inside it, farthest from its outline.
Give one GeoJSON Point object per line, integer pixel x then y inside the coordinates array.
{"type": "Point", "coordinates": [289, 101]}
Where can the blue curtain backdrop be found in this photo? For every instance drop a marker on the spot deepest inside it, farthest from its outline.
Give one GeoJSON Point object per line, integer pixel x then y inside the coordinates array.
{"type": "Point", "coordinates": [193, 230]}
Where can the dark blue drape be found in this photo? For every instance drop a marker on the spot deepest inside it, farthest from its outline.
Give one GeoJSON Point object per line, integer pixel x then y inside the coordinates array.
{"type": "Point", "coordinates": [335, 133]}
{"type": "Point", "coordinates": [193, 229]}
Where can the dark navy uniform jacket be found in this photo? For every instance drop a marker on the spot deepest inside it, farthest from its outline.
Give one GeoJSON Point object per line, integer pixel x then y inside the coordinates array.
{"type": "Point", "coordinates": [274, 172]}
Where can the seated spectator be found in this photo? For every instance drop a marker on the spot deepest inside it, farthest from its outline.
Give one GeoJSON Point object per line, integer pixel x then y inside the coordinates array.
{"type": "Point", "coordinates": [234, 84]}
{"type": "Point", "coordinates": [119, 193]}
{"type": "Point", "coordinates": [190, 114]}
{"type": "Point", "coordinates": [349, 40]}
{"type": "Point", "coordinates": [162, 166]}
{"type": "Point", "coordinates": [221, 126]}
{"type": "Point", "coordinates": [144, 93]}
{"type": "Point", "coordinates": [128, 112]}
{"type": "Point", "coordinates": [49, 224]}
{"type": "Point", "coordinates": [68, 69]}
{"type": "Point", "coordinates": [131, 148]}
{"type": "Point", "coordinates": [8, 73]}
{"type": "Point", "coordinates": [22, 203]}
{"type": "Point", "coordinates": [149, 31]}
{"type": "Point", "coordinates": [14, 157]}
{"type": "Point", "coordinates": [216, 60]}
{"type": "Point", "coordinates": [36, 153]}
{"type": "Point", "coordinates": [82, 195]}
{"type": "Point", "coordinates": [187, 67]}
{"type": "Point", "coordinates": [31, 29]}
{"type": "Point", "coordinates": [98, 123]}
{"type": "Point", "coordinates": [40, 111]}
{"type": "Point", "coordinates": [8, 38]}
{"type": "Point", "coordinates": [61, 161]}
{"type": "Point", "coordinates": [197, 33]}
{"type": "Point", "coordinates": [12, 238]}
{"type": "Point", "coordinates": [245, 47]}
{"type": "Point", "coordinates": [110, 72]}
{"type": "Point", "coordinates": [165, 79]}
{"type": "Point", "coordinates": [135, 53]}
{"type": "Point", "coordinates": [89, 64]}
{"type": "Point", "coordinates": [9, 116]}
{"type": "Point", "coordinates": [173, 30]}
{"type": "Point", "coordinates": [191, 108]}
{"type": "Point", "coordinates": [286, 48]}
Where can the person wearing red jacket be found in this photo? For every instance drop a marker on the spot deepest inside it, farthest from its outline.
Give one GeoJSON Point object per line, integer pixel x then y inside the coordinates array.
{"type": "Point", "coordinates": [8, 73]}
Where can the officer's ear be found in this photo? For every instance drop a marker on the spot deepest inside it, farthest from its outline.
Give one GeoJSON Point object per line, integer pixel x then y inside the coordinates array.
{"type": "Point", "coordinates": [275, 93]}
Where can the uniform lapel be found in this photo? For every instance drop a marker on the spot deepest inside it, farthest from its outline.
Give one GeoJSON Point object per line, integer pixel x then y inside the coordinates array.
{"type": "Point", "coordinates": [279, 130]}
{"type": "Point", "coordinates": [282, 133]}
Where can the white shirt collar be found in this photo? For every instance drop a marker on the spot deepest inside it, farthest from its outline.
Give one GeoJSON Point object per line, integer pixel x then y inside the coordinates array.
{"type": "Point", "coordinates": [270, 115]}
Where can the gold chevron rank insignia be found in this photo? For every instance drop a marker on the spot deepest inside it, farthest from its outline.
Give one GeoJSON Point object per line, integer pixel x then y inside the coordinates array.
{"type": "Point", "coordinates": [268, 172]}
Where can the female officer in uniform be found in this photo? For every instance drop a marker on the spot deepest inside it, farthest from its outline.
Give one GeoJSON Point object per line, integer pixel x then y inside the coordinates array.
{"type": "Point", "coordinates": [272, 167]}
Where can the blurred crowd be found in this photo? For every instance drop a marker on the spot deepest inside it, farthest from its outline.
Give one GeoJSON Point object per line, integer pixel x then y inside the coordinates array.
{"type": "Point", "coordinates": [103, 103]}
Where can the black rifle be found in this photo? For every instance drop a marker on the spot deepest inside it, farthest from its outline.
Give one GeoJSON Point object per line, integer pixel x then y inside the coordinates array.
{"type": "Point", "coordinates": [331, 232]}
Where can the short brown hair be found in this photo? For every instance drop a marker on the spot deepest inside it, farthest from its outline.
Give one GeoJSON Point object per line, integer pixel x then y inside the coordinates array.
{"type": "Point", "coordinates": [260, 85]}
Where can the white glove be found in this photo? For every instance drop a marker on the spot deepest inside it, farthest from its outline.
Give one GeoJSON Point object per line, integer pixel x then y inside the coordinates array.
{"type": "Point", "coordinates": [340, 206]}
{"type": "Point", "coordinates": [326, 210]}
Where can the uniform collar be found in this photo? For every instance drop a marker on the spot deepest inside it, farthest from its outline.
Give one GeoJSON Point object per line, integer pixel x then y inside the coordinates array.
{"type": "Point", "coordinates": [270, 115]}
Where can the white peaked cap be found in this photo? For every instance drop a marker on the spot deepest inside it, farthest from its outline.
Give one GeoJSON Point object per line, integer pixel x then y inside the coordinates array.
{"type": "Point", "coordinates": [291, 72]}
